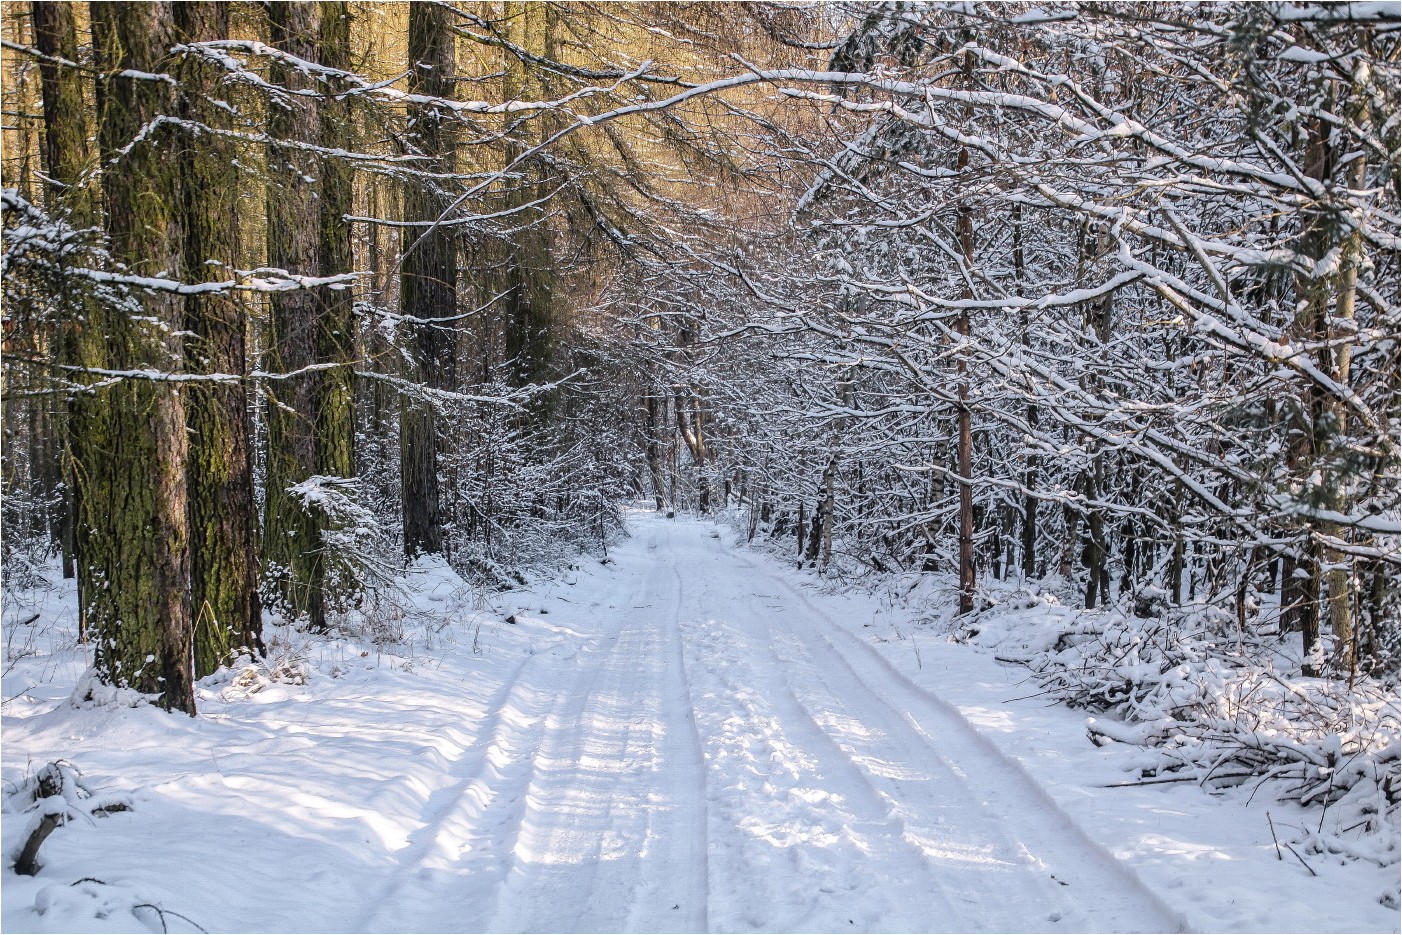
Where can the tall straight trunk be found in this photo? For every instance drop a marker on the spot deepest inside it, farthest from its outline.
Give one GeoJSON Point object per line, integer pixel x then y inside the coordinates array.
{"type": "Point", "coordinates": [335, 331]}
{"type": "Point", "coordinates": [1314, 431]}
{"type": "Point", "coordinates": [132, 534]}
{"type": "Point", "coordinates": [652, 403]}
{"type": "Point", "coordinates": [292, 543]}
{"type": "Point", "coordinates": [1340, 571]}
{"type": "Point", "coordinates": [1029, 502]}
{"type": "Point", "coordinates": [71, 194]}
{"type": "Point", "coordinates": [223, 521]}
{"type": "Point", "coordinates": [311, 426]}
{"type": "Point", "coordinates": [1097, 587]}
{"type": "Point", "coordinates": [825, 513]}
{"type": "Point", "coordinates": [1029, 507]}
{"type": "Point", "coordinates": [967, 573]}
{"type": "Point", "coordinates": [427, 282]}
{"type": "Point", "coordinates": [529, 304]}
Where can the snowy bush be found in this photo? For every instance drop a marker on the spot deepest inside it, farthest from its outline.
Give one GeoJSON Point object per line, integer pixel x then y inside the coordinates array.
{"type": "Point", "coordinates": [1190, 685]}
{"type": "Point", "coordinates": [355, 543]}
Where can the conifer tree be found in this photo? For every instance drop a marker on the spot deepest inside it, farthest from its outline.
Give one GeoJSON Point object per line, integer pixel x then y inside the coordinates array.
{"type": "Point", "coordinates": [132, 529]}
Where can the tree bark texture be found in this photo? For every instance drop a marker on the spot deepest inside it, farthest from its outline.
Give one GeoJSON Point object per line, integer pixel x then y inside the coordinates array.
{"type": "Point", "coordinates": [132, 535]}
{"type": "Point", "coordinates": [72, 194]}
{"type": "Point", "coordinates": [428, 282]}
{"type": "Point", "coordinates": [311, 427]}
{"type": "Point", "coordinates": [530, 283]}
{"type": "Point", "coordinates": [223, 521]}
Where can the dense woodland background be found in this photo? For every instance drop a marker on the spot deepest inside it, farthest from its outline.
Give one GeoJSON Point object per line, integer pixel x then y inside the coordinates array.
{"type": "Point", "coordinates": [1096, 299]}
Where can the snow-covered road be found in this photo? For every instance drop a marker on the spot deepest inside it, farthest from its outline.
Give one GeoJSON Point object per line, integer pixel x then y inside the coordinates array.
{"type": "Point", "coordinates": [685, 739]}
{"type": "Point", "coordinates": [722, 755]}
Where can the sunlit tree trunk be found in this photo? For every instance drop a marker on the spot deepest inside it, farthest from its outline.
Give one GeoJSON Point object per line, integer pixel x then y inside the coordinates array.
{"type": "Point", "coordinates": [223, 522]}
{"type": "Point", "coordinates": [530, 281]}
{"type": "Point", "coordinates": [311, 425]}
{"type": "Point", "coordinates": [1339, 576]}
{"type": "Point", "coordinates": [132, 534]}
{"type": "Point", "coordinates": [72, 194]}
{"type": "Point", "coordinates": [428, 281]}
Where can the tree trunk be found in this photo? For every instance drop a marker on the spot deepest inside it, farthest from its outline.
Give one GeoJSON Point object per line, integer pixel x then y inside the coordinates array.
{"type": "Point", "coordinates": [132, 536]}
{"type": "Point", "coordinates": [689, 424]}
{"type": "Point", "coordinates": [1071, 516]}
{"type": "Point", "coordinates": [1311, 453]}
{"type": "Point", "coordinates": [71, 195]}
{"type": "Point", "coordinates": [1339, 576]}
{"type": "Point", "coordinates": [427, 281]}
{"type": "Point", "coordinates": [1094, 554]}
{"type": "Point", "coordinates": [223, 522]}
{"type": "Point", "coordinates": [1029, 481]}
{"type": "Point", "coordinates": [967, 572]}
{"type": "Point", "coordinates": [311, 427]}
{"type": "Point", "coordinates": [825, 513]}
{"type": "Point", "coordinates": [1029, 508]}
{"type": "Point", "coordinates": [651, 404]}
{"type": "Point", "coordinates": [530, 280]}
{"type": "Point", "coordinates": [292, 536]}
{"type": "Point", "coordinates": [334, 389]}
{"type": "Point", "coordinates": [802, 529]}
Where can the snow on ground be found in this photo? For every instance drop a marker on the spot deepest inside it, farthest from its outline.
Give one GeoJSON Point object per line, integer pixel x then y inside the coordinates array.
{"type": "Point", "coordinates": [689, 738]}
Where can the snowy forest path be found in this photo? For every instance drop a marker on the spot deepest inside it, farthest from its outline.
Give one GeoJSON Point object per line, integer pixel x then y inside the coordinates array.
{"type": "Point", "coordinates": [722, 754]}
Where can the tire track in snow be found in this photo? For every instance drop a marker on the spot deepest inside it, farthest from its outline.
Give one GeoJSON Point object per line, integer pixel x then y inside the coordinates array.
{"type": "Point", "coordinates": [792, 849]}
{"type": "Point", "coordinates": [1013, 793]}
{"type": "Point", "coordinates": [871, 807]}
{"type": "Point", "coordinates": [590, 831]}
{"type": "Point", "coordinates": [523, 839]}
{"type": "Point", "coordinates": [931, 803]}
{"type": "Point", "coordinates": [756, 769]}
{"type": "Point", "coordinates": [674, 894]}
{"type": "Point", "coordinates": [454, 856]}
{"type": "Point", "coordinates": [467, 769]}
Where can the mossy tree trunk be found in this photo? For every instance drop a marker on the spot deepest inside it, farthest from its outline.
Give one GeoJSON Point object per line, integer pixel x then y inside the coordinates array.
{"type": "Point", "coordinates": [310, 420]}
{"type": "Point", "coordinates": [131, 532]}
{"type": "Point", "coordinates": [223, 521]}
{"type": "Point", "coordinates": [71, 193]}
{"type": "Point", "coordinates": [530, 283]}
{"type": "Point", "coordinates": [335, 331]}
{"type": "Point", "coordinates": [428, 282]}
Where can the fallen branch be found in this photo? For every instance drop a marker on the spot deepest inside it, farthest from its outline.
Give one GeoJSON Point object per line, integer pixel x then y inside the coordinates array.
{"type": "Point", "coordinates": [55, 795]}
{"type": "Point", "coordinates": [27, 863]}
